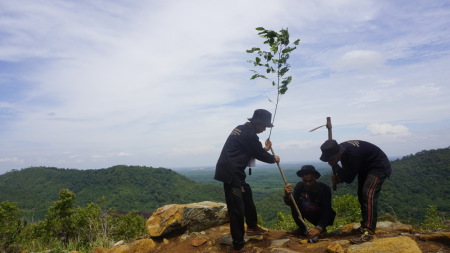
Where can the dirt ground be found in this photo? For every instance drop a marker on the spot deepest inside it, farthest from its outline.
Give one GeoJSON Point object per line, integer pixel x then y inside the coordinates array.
{"type": "Point", "coordinates": [210, 241]}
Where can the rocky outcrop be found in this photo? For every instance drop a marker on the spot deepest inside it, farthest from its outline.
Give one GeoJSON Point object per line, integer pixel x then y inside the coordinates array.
{"type": "Point", "coordinates": [203, 227]}
{"type": "Point", "coordinates": [401, 244]}
{"type": "Point", "coordinates": [190, 217]}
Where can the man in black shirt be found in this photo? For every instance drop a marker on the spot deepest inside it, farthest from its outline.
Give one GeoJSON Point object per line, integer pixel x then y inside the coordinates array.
{"type": "Point", "coordinates": [240, 148]}
{"type": "Point", "coordinates": [314, 201]}
{"type": "Point", "coordinates": [371, 165]}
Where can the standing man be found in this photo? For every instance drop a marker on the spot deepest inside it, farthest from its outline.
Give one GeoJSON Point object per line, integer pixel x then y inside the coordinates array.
{"type": "Point", "coordinates": [371, 165]}
{"type": "Point", "coordinates": [314, 201]}
{"type": "Point", "coordinates": [240, 148]}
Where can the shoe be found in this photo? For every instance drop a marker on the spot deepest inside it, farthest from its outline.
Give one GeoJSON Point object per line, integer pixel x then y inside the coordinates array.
{"type": "Point", "coordinates": [256, 231]}
{"type": "Point", "coordinates": [357, 231]}
{"type": "Point", "coordinates": [367, 236]}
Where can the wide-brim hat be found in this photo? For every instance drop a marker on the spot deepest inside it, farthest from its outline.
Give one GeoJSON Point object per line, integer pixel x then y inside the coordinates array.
{"type": "Point", "coordinates": [307, 170]}
{"type": "Point", "coordinates": [262, 117]}
{"type": "Point", "coordinates": [330, 149]}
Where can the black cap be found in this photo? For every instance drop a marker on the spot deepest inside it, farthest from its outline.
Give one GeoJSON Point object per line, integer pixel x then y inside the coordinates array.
{"type": "Point", "coordinates": [330, 149]}
{"type": "Point", "coordinates": [307, 170]}
{"type": "Point", "coordinates": [262, 117]}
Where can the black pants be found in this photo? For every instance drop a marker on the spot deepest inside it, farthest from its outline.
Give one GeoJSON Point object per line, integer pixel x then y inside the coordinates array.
{"type": "Point", "coordinates": [313, 217]}
{"type": "Point", "coordinates": [241, 208]}
{"type": "Point", "coordinates": [369, 188]}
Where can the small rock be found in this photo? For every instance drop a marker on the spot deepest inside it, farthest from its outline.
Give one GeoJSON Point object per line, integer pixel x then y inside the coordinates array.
{"type": "Point", "coordinates": [184, 237]}
{"type": "Point", "coordinates": [122, 242]}
{"type": "Point", "coordinates": [278, 243]}
{"type": "Point", "coordinates": [165, 241]}
{"type": "Point", "coordinates": [198, 241]}
{"type": "Point", "coordinates": [335, 248]}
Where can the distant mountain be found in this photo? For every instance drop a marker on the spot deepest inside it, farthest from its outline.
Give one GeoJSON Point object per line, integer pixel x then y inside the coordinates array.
{"type": "Point", "coordinates": [120, 187]}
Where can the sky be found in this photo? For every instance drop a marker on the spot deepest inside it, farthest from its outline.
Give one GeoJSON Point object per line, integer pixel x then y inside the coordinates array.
{"type": "Point", "coordinates": [93, 84]}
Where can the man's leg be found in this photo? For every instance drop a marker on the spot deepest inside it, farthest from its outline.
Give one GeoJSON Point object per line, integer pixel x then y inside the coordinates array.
{"type": "Point", "coordinates": [251, 216]}
{"type": "Point", "coordinates": [235, 205]}
{"type": "Point", "coordinates": [301, 227]}
{"type": "Point", "coordinates": [370, 193]}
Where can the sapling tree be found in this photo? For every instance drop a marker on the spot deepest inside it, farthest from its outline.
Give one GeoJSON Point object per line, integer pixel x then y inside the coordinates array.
{"type": "Point", "coordinates": [274, 61]}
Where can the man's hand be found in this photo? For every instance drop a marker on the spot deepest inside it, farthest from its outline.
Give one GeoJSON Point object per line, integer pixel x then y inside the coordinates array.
{"type": "Point", "coordinates": [287, 189]}
{"type": "Point", "coordinates": [313, 232]}
{"type": "Point", "coordinates": [277, 159]}
{"type": "Point", "coordinates": [336, 180]}
{"type": "Point", "coordinates": [268, 145]}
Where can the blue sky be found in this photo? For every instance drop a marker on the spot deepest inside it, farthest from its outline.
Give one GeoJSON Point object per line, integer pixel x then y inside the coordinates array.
{"type": "Point", "coordinates": [92, 84]}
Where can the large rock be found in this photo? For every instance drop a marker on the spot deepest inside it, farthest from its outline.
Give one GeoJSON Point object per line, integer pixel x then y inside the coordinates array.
{"type": "Point", "coordinates": [400, 244]}
{"type": "Point", "coordinates": [193, 217]}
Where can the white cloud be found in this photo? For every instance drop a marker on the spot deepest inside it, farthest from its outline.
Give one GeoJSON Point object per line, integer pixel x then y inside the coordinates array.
{"type": "Point", "coordinates": [388, 129]}
{"type": "Point", "coordinates": [365, 60]}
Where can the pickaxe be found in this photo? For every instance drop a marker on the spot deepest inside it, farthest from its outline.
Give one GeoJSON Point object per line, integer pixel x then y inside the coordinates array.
{"type": "Point", "coordinates": [330, 136]}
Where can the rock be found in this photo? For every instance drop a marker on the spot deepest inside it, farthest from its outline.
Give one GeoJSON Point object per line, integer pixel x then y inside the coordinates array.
{"type": "Point", "coordinates": [143, 245]}
{"type": "Point", "coordinates": [191, 217]}
{"type": "Point", "coordinates": [278, 243]}
{"type": "Point", "coordinates": [119, 243]}
{"type": "Point", "coordinates": [198, 241]}
{"type": "Point", "coordinates": [184, 237]}
{"type": "Point", "coordinates": [400, 244]}
{"type": "Point", "coordinates": [335, 248]}
{"type": "Point", "coordinates": [165, 241]}
{"type": "Point", "coordinates": [282, 250]}
{"type": "Point", "coordinates": [227, 240]}
{"type": "Point", "coordinates": [443, 237]}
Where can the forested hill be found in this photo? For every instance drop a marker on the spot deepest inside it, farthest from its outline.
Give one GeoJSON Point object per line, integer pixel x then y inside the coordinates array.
{"type": "Point", "coordinates": [119, 187]}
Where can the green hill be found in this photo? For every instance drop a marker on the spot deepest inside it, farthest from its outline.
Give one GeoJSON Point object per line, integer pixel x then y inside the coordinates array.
{"type": "Point", "coordinates": [417, 181]}
{"type": "Point", "coordinates": [120, 187]}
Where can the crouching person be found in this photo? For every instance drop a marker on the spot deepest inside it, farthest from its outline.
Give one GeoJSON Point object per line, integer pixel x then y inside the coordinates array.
{"type": "Point", "coordinates": [313, 198]}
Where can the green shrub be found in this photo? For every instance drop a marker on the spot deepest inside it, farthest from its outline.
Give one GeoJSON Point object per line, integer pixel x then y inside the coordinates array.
{"type": "Point", "coordinates": [10, 225]}
{"type": "Point", "coordinates": [433, 219]}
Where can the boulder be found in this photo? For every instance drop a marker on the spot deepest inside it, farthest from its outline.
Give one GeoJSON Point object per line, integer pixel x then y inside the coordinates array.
{"type": "Point", "coordinates": [401, 244]}
{"type": "Point", "coordinates": [189, 217]}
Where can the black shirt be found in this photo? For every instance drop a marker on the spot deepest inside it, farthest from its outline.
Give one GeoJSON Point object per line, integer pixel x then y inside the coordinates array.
{"type": "Point", "coordinates": [361, 157]}
{"type": "Point", "coordinates": [320, 194]}
{"type": "Point", "coordinates": [242, 145]}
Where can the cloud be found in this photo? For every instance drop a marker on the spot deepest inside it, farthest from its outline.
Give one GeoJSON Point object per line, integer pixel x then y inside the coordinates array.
{"type": "Point", "coordinates": [363, 60]}
{"type": "Point", "coordinates": [388, 129]}
{"type": "Point", "coordinates": [14, 160]}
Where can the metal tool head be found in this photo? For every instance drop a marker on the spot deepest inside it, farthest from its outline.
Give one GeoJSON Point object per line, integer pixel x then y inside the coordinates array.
{"type": "Point", "coordinates": [328, 125]}
{"type": "Point", "coordinates": [317, 128]}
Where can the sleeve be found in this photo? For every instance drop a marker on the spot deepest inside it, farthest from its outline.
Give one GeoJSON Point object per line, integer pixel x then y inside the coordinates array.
{"type": "Point", "coordinates": [295, 194]}
{"type": "Point", "coordinates": [257, 151]}
{"type": "Point", "coordinates": [345, 174]}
